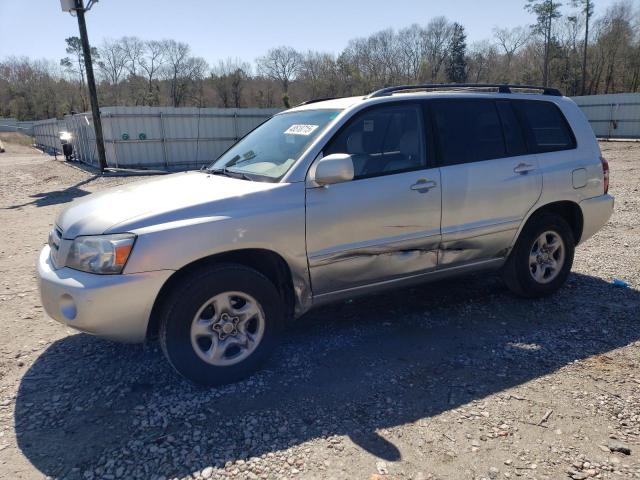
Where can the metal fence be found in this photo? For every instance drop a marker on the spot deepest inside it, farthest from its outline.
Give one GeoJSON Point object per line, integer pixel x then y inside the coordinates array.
{"type": "Point", "coordinates": [154, 137]}
{"type": "Point", "coordinates": [614, 116]}
{"type": "Point", "coordinates": [8, 124]}
{"type": "Point", "coordinates": [46, 134]}
{"type": "Point", "coordinates": [183, 138]}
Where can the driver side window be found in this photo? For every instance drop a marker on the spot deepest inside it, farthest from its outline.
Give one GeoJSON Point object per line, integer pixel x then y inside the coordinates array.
{"type": "Point", "coordinates": [382, 140]}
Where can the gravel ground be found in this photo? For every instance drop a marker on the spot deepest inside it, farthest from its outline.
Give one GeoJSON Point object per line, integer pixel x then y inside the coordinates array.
{"type": "Point", "coordinates": [454, 380]}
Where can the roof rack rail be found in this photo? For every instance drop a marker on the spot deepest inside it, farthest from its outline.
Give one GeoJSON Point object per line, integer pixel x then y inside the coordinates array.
{"type": "Point", "coordinates": [314, 100]}
{"type": "Point", "coordinates": [501, 87]}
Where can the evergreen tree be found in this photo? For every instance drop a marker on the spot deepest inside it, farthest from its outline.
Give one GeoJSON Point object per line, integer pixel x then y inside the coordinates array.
{"type": "Point", "coordinates": [587, 9]}
{"type": "Point", "coordinates": [546, 12]}
{"type": "Point", "coordinates": [456, 68]}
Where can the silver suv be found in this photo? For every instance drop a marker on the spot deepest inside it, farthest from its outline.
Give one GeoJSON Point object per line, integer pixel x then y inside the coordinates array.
{"type": "Point", "coordinates": [328, 200]}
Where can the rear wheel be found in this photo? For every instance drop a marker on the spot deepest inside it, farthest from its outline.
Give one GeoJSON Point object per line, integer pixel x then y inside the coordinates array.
{"type": "Point", "coordinates": [541, 260]}
{"type": "Point", "coordinates": [221, 324]}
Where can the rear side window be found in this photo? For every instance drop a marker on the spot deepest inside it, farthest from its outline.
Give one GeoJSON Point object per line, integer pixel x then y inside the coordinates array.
{"type": "Point", "coordinates": [468, 131]}
{"type": "Point", "coordinates": [548, 129]}
{"type": "Point", "coordinates": [513, 133]}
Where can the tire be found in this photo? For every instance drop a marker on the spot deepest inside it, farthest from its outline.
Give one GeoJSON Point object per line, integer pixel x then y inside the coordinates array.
{"type": "Point", "coordinates": [209, 318]}
{"type": "Point", "coordinates": [520, 274]}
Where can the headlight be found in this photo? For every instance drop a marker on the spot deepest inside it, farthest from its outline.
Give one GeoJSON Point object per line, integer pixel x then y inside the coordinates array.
{"type": "Point", "coordinates": [106, 254]}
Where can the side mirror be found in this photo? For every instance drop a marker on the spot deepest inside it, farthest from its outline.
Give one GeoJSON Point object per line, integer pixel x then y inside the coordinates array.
{"type": "Point", "coordinates": [334, 168]}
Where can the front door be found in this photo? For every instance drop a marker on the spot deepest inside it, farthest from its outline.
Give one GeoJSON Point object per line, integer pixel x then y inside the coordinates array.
{"type": "Point", "coordinates": [384, 224]}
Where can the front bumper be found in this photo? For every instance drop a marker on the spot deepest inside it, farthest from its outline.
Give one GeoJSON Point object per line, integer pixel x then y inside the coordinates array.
{"type": "Point", "coordinates": [111, 306]}
{"type": "Point", "coordinates": [596, 212]}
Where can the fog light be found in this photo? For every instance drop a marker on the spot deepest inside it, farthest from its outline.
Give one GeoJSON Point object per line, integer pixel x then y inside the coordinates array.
{"type": "Point", "coordinates": [68, 307]}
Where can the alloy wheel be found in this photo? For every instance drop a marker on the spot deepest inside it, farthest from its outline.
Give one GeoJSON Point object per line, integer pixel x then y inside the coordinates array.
{"type": "Point", "coordinates": [227, 328]}
{"type": "Point", "coordinates": [546, 257]}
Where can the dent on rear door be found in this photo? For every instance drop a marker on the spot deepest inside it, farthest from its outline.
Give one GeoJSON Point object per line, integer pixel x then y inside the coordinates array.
{"type": "Point", "coordinates": [483, 204]}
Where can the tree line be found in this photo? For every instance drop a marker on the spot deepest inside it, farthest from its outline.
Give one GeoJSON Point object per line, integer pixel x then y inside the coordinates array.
{"type": "Point", "coordinates": [567, 47]}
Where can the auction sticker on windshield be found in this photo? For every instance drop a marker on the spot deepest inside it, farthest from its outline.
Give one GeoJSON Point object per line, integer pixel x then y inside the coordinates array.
{"type": "Point", "coordinates": [300, 130]}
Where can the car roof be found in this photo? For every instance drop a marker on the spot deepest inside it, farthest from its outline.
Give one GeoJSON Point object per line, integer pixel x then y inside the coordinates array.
{"type": "Point", "coordinates": [330, 104]}
{"type": "Point", "coordinates": [346, 102]}
{"type": "Point", "coordinates": [430, 90]}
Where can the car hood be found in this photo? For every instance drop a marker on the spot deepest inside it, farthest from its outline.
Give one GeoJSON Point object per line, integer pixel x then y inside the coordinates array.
{"type": "Point", "coordinates": [158, 200]}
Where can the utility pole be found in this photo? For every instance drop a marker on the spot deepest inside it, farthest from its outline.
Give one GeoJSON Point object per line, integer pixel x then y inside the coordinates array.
{"type": "Point", "coordinates": [91, 82]}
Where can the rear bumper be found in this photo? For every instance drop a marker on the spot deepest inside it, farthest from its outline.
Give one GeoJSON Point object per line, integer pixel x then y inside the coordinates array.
{"type": "Point", "coordinates": [111, 306]}
{"type": "Point", "coordinates": [596, 212]}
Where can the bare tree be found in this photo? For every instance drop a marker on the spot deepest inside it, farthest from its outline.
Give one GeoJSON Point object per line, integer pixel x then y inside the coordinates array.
{"type": "Point", "coordinates": [193, 80]}
{"type": "Point", "coordinates": [281, 64]}
{"type": "Point", "coordinates": [374, 59]}
{"type": "Point", "coordinates": [412, 52]}
{"type": "Point", "coordinates": [30, 89]}
{"type": "Point", "coordinates": [134, 50]}
{"type": "Point", "coordinates": [384, 50]}
{"type": "Point", "coordinates": [184, 73]}
{"type": "Point", "coordinates": [177, 55]}
{"type": "Point", "coordinates": [615, 33]}
{"type": "Point", "coordinates": [229, 78]}
{"type": "Point", "coordinates": [436, 38]}
{"type": "Point", "coordinates": [349, 77]}
{"type": "Point", "coordinates": [112, 64]}
{"type": "Point", "coordinates": [483, 57]}
{"type": "Point", "coordinates": [318, 74]}
{"type": "Point", "coordinates": [264, 93]}
{"type": "Point", "coordinates": [151, 63]}
{"type": "Point", "coordinates": [138, 72]}
{"type": "Point", "coordinates": [358, 65]}
{"type": "Point", "coordinates": [511, 40]}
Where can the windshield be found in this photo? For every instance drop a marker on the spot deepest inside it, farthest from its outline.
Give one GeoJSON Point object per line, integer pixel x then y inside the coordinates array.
{"type": "Point", "coordinates": [272, 148]}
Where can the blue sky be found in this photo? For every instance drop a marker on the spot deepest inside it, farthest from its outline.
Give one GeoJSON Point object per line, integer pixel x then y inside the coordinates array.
{"type": "Point", "coordinates": [243, 28]}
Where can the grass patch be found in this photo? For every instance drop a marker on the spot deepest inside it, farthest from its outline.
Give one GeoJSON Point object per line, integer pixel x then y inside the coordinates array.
{"type": "Point", "coordinates": [16, 138]}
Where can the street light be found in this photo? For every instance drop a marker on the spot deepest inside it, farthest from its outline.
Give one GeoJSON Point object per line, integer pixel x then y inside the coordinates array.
{"type": "Point", "coordinates": [77, 7]}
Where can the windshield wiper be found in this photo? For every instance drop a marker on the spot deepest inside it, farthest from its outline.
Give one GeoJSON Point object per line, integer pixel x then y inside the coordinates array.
{"type": "Point", "coordinates": [229, 173]}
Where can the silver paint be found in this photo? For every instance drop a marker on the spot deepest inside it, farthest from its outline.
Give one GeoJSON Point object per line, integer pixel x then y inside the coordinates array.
{"type": "Point", "coordinates": [339, 240]}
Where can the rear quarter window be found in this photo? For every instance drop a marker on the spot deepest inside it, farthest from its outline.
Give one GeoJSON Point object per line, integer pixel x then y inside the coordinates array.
{"type": "Point", "coordinates": [547, 128]}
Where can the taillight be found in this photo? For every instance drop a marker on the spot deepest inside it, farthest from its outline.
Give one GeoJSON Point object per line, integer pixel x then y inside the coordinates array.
{"type": "Point", "coordinates": [605, 173]}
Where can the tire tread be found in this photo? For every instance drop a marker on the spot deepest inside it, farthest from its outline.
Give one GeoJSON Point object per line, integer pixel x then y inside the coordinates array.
{"type": "Point", "coordinates": [516, 278]}
{"type": "Point", "coordinates": [192, 281]}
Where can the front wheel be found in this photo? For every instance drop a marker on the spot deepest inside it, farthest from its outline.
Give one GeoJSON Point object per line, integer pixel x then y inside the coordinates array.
{"type": "Point", "coordinates": [541, 260]}
{"type": "Point", "coordinates": [220, 324]}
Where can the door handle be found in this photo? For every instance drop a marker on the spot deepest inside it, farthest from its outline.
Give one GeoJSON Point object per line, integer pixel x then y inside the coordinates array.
{"type": "Point", "coordinates": [523, 168]}
{"type": "Point", "coordinates": [423, 185]}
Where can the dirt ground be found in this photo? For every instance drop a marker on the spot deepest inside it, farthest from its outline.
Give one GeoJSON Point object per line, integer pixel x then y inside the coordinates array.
{"type": "Point", "coordinates": [454, 380]}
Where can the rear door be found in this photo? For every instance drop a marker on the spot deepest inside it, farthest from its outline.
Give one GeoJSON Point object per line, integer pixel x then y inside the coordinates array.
{"type": "Point", "coordinates": [489, 178]}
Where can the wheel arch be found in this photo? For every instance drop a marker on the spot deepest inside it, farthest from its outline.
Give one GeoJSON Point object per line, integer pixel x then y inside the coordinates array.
{"type": "Point", "coordinates": [267, 262]}
{"type": "Point", "coordinates": [570, 211]}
